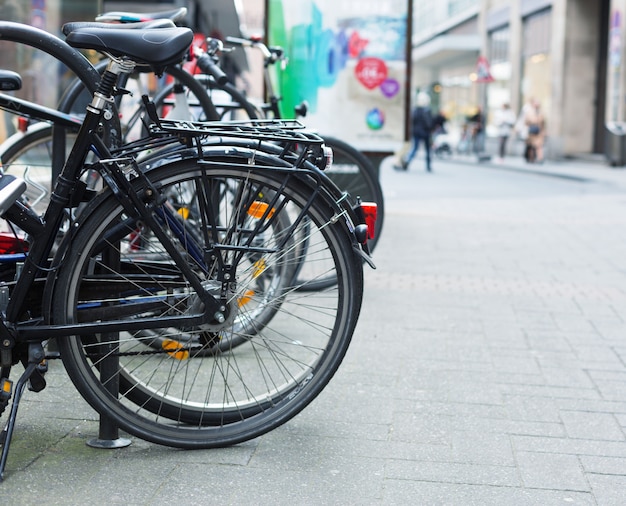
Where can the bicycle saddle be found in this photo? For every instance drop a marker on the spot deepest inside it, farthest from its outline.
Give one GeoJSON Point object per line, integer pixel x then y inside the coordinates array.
{"type": "Point", "coordinates": [68, 28]}
{"type": "Point", "coordinates": [156, 47]}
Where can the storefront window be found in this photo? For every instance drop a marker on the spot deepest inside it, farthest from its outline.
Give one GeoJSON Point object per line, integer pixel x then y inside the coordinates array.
{"type": "Point", "coordinates": [498, 91]}
{"type": "Point", "coordinates": [536, 81]}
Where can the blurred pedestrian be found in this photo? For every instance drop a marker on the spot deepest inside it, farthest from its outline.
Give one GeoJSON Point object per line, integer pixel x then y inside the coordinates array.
{"type": "Point", "coordinates": [504, 119]}
{"type": "Point", "coordinates": [477, 122]}
{"type": "Point", "coordinates": [534, 122]}
{"type": "Point", "coordinates": [421, 129]}
{"type": "Point", "coordinates": [439, 123]}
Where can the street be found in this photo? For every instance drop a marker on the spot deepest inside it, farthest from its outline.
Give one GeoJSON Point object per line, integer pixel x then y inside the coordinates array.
{"type": "Point", "coordinates": [488, 367]}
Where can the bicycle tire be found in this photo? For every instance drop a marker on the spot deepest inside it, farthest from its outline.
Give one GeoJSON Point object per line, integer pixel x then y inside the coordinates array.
{"type": "Point", "coordinates": [277, 372]}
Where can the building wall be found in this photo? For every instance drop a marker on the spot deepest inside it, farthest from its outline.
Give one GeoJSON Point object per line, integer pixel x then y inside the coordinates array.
{"type": "Point", "coordinates": [575, 123]}
{"type": "Point", "coordinates": [553, 54]}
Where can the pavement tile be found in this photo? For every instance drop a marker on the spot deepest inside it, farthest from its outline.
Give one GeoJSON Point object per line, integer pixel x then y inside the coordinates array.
{"type": "Point", "coordinates": [568, 446]}
{"type": "Point", "coordinates": [551, 471]}
{"type": "Point", "coordinates": [586, 425]}
{"type": "Point", "coordinates": [452, 472]}
{"type": "Point", "coordinates": [604, 465]}
{"type": "Point", "coordinates": [608, 490]}
{"type": "Point", "coordinates": [448, 494]}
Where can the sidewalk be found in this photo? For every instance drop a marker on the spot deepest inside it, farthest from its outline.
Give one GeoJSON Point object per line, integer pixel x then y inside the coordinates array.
{"type": "Point", "coordinates": [587, 168]}
{"type": "Point", "coordinates": [488, 367]}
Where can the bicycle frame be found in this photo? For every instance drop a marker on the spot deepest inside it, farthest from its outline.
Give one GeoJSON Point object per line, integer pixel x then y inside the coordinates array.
{"type": "Point", "coordinates": [111, 170]}
{"type": "Point", "coordinates": [21, 107]}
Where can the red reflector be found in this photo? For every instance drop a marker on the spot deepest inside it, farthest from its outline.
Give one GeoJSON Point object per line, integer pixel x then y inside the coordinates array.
{"type": "Point", "coordinates": [370, 210]}
{"type": "Point", "coordinates": [22, 124]}
{"type": "Point", "coordinates": [10, 244]}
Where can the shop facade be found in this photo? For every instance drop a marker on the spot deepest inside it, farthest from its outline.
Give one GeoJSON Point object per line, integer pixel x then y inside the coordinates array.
{"type": "Point", "coordinates": [554, 51]}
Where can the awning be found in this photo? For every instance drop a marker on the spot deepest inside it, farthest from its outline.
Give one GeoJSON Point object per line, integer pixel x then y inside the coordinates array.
{"type": "Point", "coordinates": [446, 49]}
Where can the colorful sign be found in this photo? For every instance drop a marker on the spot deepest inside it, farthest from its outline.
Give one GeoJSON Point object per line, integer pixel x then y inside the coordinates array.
{"type": "Point", "coordinates": [347, 59]}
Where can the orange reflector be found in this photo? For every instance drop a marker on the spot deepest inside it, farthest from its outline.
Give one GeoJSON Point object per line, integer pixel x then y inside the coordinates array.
{"type": "Point", "coordinates": [184, 212]}
{"type": "Point", "coordinates": [7, 386]}
{"type": "Point", "coordinates": [175, 349]}
{"type": "Point", "coordinates": [259, 267]}
{"type": "Point", "coordinates": [257, 209]}
{"type": "Point", "coordinates": [370, 211]}
{"type": "Point", "coordinates": [245, 298]}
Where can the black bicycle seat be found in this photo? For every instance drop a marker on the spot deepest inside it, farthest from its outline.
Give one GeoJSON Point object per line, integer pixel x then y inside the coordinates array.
{"type": "Point", "coordinates": [68, 28]}
{"type": "Point", "coordinates": [156, 47]}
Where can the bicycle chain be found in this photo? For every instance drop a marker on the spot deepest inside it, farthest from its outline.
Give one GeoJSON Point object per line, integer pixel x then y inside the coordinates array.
{"type": "Point", "coordinates": [139, 353]}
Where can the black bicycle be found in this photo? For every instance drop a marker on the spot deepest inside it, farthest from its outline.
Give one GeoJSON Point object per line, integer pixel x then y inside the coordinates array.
{"type": "Point", "coordinates": [186, 243]}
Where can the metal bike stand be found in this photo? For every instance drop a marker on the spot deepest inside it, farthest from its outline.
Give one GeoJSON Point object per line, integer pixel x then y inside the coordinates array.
{"type": "Point", "coordinates": [108, 436]}
{"type": "Point", "coordinates": [108, 433]}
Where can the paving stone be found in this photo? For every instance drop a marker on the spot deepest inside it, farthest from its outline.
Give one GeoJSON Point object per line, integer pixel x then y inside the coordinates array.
{"type": "Point", "coordinates": [585, 425]}
{"type": "Point", "coordinates": [551, 471]}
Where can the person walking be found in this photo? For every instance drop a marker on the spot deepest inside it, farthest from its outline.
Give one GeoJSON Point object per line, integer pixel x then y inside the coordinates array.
{"type": "Point", "coordinates": [421, 129]}
{"type": "Point", "coordinates": [477, 122]}
{"type": "Point", "coordinates": [504, 120]}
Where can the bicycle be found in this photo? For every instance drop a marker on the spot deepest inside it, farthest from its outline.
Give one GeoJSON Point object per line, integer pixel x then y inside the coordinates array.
{"type": "Point", "coordinates": [312, 273]}
{"type": "Point", "coordinates": [350, 171]}
{"type": "Point", "coordinates": [174, 244]}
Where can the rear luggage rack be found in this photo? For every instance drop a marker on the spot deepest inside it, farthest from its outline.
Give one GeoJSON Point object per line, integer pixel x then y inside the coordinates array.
{"type": "Point", "coordinates": [276, 130]}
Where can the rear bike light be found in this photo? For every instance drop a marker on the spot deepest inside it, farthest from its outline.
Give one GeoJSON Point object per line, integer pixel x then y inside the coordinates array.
{"type": "Point", "coordinates": [370, 211]}
{"type": "Point", "coordinates": [11, 244]}
{"type": "Point", "coordinates": [22, 124]}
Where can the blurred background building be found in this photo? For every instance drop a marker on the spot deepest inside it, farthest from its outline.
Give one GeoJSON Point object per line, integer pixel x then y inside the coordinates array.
{"type": "Point", "coordinates": [552, 50]}
{"type": "Point", "coordinates": [568, 54]}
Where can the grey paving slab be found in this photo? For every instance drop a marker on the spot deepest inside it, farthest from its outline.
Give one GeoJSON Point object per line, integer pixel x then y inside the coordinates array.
{"type": "Point", "coordinates": [488, 367]}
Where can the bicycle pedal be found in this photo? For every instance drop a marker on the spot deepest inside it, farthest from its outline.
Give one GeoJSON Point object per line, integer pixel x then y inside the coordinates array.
{"type": "Point", "coordinates": [37, 382]}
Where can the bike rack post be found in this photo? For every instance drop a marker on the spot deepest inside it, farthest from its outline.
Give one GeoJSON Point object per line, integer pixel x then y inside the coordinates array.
{"type": "Point", "coordinates": [108, 436]}
{"type": "Point", "coordinates": [108, 433]}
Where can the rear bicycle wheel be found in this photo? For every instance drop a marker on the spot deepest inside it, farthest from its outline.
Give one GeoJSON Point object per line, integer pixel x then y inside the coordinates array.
{"type": "Point", "coordinates": [177, 396]}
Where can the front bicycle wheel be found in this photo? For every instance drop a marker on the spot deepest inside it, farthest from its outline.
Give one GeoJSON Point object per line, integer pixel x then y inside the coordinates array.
{"type": "Point", "coordinates": [225, 215]}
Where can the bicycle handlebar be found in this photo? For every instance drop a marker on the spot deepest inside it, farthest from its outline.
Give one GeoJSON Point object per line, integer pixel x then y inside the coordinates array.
{"type": "Point", "coordinates": [206, 60]}
{"type": "Point", "coordinates": [271, 54]}
{"type": "Point", "coordinates": [208, 66]}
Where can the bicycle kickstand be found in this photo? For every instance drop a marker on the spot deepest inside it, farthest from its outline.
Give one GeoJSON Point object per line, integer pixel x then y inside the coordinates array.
{"type": "Point", "coordinates": [35, 356]}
